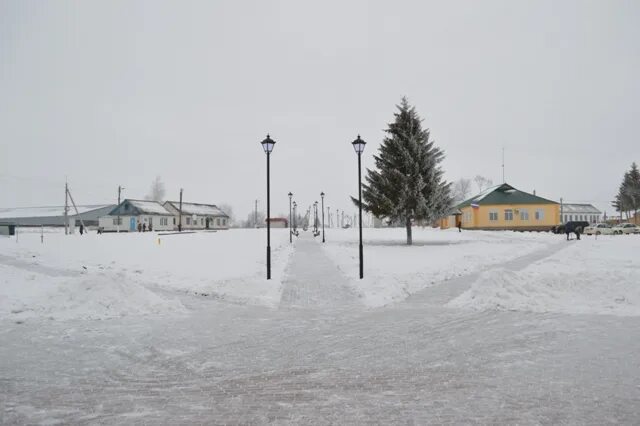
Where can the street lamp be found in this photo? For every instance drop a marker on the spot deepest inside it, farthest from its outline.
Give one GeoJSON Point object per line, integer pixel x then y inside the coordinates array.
{"type": "Point", "coordinates": [322, 196]}
{"type": "Point", "coordinates": [290, 234]}
{"type": "Point", "coordinates": [315, 218]}
{"type": "Point", "coordinates": [267, 145]}
{"type": "Point", "coordinates": [358, 146]}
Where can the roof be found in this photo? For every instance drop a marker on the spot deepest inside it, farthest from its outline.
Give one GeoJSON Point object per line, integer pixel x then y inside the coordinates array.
{"type": "Point", "coordinates": [52, 211]}
{"type": "Point", "coordinates": [139, 207]}
{"type": "Point", "coordinates": [580, 208]}
{"type": "Point", "coordinates": [503, 194]}
{"type": "Point", "coordinates": [198, 209]}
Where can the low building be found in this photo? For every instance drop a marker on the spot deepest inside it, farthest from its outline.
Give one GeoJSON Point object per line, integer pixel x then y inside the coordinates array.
{"type": "Point", "coordinates": [7, 228]}
{"type": "Point", "coordinates": [130, 213]}
{"type": "Point", "coordinates": [197, 216]}
{"type": "Point", "coordinates": [54, 215]}
{"type": "Point", "coordinates": [278, 222]}
{"type": "Point", "coordinates": [504, 207]}
{"type": "Point", "coordinates": [579, 212]}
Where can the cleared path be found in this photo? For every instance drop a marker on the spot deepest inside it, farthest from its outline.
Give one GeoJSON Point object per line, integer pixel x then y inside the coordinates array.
{"type": "Point", "coordinates": [313, 280]}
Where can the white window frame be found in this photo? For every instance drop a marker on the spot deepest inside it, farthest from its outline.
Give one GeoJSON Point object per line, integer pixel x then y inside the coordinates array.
{"type": "Point", "coordinates": [524, 214]}
{"type": "Point", "coordinates": [539, 215]}
{"type": "Point", "coordinates": [493, 216]}
{"type": "Point", "coordinates": [508, 215]}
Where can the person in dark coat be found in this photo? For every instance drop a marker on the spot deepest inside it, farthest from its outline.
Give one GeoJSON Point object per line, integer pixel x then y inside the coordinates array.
{"type": "Point", "coordinates": [151, 229]}
{"type": "Point", "coordinates": [139, 227]}
{"type": "Point", "coordinates": [144, 227]}
{"type": "Point", "coordinates": [81, 229]}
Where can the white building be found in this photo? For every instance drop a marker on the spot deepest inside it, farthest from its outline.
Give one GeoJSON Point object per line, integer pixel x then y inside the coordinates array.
{"type": "Point", "coordinates": [126, 217]}
{"type": "Point", "coordinates": [579, 212]}
{"type": "Point", "coordinates": [197, 216]}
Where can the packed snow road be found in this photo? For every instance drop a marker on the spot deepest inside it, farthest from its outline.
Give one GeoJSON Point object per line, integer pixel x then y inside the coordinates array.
{"type": "Point", "coordinates": [323, 356]}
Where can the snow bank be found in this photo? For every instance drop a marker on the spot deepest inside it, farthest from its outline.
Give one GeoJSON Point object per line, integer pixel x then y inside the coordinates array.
{"type": "Point", "coordinates": [393, 270]}
{"type": "Point", "coordinates": [28, 294]}
{"type": "Point", "coordinates": [85, 276]}
{"type": "Point", "coordinates": [588, 277]}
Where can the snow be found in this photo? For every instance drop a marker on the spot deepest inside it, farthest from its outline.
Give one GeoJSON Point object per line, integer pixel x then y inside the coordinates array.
{"type": "Point", "coordinates": [133, 338]}
{"type": "Point", "coordinates": [591, 276]}
{"type": "Point", "coordinates": [56, 278]}
{"type": "Point", "coordinates": [198, 209]}
{"type": "Point", "coordinates": [150, 207]}
{"type": "Point", "coordinates": [45, 211]}
{"type": "Point", "coordinates": [393, 271]}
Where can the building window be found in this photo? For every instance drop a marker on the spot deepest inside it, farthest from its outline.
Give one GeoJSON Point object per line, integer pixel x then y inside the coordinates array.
{"type": "Point", "coordinates": [174, 220]}
{"type": "Point", "coordinates": [508, 214]}
{"type": "Point", "coordinates": [218, 221]}
{"type": "Point", "coordinates": [188, 221]}
{"type": "Point", "coordinates": [117, 221]}
{"type": "Point", "coordinates": [493, 216]}
{"type": "Point", "coordinates": [539, 214]}
{"type": "Point", "coordinates": [524, 214]}
{"type": "Point", "coordinates": [224, 222]}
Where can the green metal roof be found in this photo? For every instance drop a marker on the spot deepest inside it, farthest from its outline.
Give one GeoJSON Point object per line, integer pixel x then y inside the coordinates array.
{"type": "Point", "coordinates": [503, 194]}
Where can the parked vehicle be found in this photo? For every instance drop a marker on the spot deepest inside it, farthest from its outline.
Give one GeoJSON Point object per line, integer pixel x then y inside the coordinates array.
{"type": "Point", "coordinates": [572, 225]}
{"type": "Point", "coordinates": [599, 229]}
{"type": "Point", "coordinates": [626, 228]}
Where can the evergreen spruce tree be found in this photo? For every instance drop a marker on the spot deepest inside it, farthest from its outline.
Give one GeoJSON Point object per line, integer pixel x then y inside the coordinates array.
{"type": "Point", "coordinates": [408, 184]}
{"type": "Point", "coordinates": [628, 197]}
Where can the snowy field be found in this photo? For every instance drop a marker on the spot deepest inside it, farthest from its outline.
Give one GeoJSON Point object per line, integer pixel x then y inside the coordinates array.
{"type": "Point", "coordinates": [112, 275]}
{"type": "Point", "coordinates": [471, 327]}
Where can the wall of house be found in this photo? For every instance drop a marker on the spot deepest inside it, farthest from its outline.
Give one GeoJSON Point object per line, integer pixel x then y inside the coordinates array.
{"type": "Point", "coordinates": [589, 217]}
{"type": "Point", "coordinates": [480, 218]}
{"type": "Point", "coordinates": [159, 223]}
{"type": "Point", "coordinates": [201, 222]}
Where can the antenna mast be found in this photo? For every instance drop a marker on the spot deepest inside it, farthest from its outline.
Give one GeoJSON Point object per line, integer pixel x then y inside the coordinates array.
{"type": "Point", "coordinates": [503, 165]}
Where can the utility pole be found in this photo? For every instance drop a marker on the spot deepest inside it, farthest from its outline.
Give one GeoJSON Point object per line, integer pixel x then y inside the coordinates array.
{"type": "Point", "coordinates": [66, 208]}
{"type": "Point", "coordinates": [502, 164]}
{"type": "Point", "coordinates": [120, 188]}
{"type": "Point", "coordinates": [180, 216]}
{"type": "Point", "coordinates": [76, 209]}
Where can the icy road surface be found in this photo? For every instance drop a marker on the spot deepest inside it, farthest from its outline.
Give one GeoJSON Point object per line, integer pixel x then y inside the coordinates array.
{"type": "Point", "coordinates": [321, 356]}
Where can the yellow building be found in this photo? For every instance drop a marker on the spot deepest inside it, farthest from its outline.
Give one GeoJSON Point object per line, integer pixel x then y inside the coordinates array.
{"type": "Point", "coordinates": [503, 207]}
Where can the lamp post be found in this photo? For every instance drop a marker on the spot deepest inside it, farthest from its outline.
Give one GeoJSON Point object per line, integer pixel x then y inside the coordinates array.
{"type": "Point", "coordinates": [322, 196]}
{"type": "Point", "coordinates": [290, 234]}
{"type": "Point", "coordinates": [358, 146]}
{"type": "Point", "coordinates": [315, 217]}
{"type": "Point", "coordinates": [267, 145]}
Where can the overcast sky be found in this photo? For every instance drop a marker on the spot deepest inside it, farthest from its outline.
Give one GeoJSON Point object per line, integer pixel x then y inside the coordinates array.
{"type": "Point", "coordinates": [116, 92]}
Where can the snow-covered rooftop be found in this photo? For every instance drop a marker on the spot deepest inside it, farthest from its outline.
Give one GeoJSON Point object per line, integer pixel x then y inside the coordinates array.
{"type": "Point", "coordinates": [149, 207]}
{"type": "Point", "coordinates": [580, 208]}
{"type": "Point", "coordinates": [51, 211]}
{"type": "Point", "coordinates": [198, 209]}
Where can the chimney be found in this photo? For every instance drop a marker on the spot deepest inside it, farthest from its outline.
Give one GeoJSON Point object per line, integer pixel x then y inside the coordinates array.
{"type": "Point", "coordinates": [534, 192]}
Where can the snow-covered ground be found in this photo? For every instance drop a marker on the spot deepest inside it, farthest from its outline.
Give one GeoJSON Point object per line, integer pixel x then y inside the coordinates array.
{"type": "Point", "coordinates": [590, 276]}
{"type": "Point", "coordinates": [394, 270]}
{"type": "Point", "coordinates": [111, 275]}
{"type": "Point", "coordinates": [461, 328]}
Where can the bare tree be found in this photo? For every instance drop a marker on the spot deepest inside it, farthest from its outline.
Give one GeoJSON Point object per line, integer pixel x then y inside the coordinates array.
{"type": "Point", "coordinates": [483, 182]}
{"type": "Point", "coordinates": [157, 191]}
{"type": "Point", "coordinates": [226, 208]}
{"type": "Point", "coordinates": [461, 190]}
{"type": "Point", "coordinates": [251, 221]}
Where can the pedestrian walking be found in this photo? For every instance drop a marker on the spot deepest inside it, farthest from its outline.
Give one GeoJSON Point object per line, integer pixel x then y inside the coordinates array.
{"type": "Point", "coordinates": [139, 227]}
{"type": "Point", "coordinates": [81, 229]}
{"type": "Point", "coordinates": [144, 227]}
